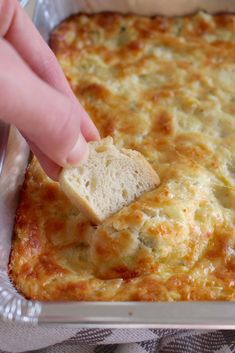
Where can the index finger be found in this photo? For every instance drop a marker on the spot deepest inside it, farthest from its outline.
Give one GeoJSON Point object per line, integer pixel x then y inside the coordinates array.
{"type": "Point", "coordinates": [17, 28]}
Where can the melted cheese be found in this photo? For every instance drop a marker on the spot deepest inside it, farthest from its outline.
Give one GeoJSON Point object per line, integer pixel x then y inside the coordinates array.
{"type": "Point", "coordinates": [165, 87]}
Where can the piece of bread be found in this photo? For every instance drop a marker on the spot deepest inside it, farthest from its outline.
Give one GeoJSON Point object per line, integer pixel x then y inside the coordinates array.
{"type": "Point", "coordinates": [110, 179]}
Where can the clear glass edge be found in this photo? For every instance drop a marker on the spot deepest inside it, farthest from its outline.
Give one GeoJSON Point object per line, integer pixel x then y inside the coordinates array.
{"type": "Point", "coordinates": [23, 3]}
{"type": "Point", "coordinates": [200, 315]}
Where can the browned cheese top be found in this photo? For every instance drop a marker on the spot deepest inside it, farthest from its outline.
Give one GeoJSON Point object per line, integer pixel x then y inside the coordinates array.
{"type": "Point", "coordinates": [165, 87]}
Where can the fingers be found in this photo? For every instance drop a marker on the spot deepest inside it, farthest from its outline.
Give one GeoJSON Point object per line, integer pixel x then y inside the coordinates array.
{"type": "Point", "coordinates": [17, 28]}
{"type": "Point", "coordinates": [52, 169]}
{"type": "Point", "coordinates": [45, 116]}
{"type": "Point", "coordinates": [88, 128]}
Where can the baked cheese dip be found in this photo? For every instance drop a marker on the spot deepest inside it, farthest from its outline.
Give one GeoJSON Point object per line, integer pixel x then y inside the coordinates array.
{"type": "Point", "coordinates": [164, 87]}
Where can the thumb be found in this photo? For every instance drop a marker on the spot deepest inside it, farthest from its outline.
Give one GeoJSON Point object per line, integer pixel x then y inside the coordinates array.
{"type": "Point", "coordinates": [46, 117]}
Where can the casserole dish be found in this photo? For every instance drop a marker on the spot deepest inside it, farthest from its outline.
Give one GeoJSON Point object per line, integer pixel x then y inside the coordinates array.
{"type": "Point", "coordinates": [147, 314]}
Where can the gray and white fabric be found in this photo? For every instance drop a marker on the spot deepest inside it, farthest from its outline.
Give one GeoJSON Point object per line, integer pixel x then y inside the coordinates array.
{"type": "Point", "coordinates": [63, 340]}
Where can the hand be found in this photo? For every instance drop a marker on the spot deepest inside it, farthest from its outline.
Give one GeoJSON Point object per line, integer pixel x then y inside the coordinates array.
{"type": "Point", "coordinates": [36, 97]}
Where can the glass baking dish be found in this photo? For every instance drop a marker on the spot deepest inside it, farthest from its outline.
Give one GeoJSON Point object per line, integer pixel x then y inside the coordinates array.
{"type": "Point", "coordinates": [13, 307]}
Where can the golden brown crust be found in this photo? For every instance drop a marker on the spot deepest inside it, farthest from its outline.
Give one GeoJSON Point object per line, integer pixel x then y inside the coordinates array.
{"type": "Point", "coordinates": [165, 87]}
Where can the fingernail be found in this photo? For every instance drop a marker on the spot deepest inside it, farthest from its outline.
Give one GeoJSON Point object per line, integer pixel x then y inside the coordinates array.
{"type": "Point", "coordinates": [79, 152]}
